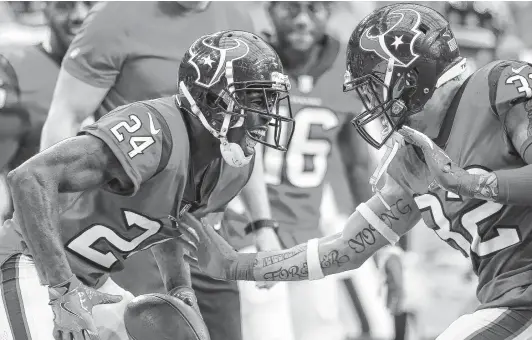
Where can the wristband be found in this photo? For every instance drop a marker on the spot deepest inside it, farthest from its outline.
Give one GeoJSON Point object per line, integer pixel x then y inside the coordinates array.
{"type": "Point", "coordinates": [63, 288]}
{"type": "Point", "coordinates": [259, 224]}
{"type": "Point", "coordinates": [377, 223]}
{"type": "Point", "coordinates": [313, 260]}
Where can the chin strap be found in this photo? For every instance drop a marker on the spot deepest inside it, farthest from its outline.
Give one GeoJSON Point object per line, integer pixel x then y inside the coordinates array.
{"type": "Point", "coordinates": [394, 143]}
{"type": "Point", "coordinates": [232, 153]}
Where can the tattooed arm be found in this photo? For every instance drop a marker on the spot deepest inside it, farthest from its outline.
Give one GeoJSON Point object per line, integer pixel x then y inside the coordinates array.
{"type": "Point", "coordinates": [337, 253]}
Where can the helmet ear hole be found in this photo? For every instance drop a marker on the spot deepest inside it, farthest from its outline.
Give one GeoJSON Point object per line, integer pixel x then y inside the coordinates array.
{"type": "Point", "coordinates": [410, 83]}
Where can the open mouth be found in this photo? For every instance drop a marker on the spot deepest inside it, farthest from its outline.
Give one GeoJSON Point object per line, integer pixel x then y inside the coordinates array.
{"type": "Point", "coordinates": [258, 133]}
{"type": "Point", "coordinates": [255, 135]}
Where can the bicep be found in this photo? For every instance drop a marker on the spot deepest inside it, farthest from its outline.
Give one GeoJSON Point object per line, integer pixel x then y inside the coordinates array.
{"type": "Point", "coordinates": [77, 164]}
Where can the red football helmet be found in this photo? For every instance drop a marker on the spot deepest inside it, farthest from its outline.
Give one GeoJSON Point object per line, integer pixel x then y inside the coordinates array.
{"type": "Point", "coordinates": [396, 57]}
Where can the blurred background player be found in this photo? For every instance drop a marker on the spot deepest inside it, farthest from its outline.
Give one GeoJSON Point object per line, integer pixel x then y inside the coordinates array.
{"type": "Point", "coordinates": [27, 79]}
{"type": "Point", "coordinates": [314, 60]}
{"type": "Point", "coordinates": [114, 62]}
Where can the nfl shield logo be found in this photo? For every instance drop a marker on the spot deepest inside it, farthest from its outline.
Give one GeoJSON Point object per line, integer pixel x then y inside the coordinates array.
{"type": "Point", "coordinates": [305, 83]}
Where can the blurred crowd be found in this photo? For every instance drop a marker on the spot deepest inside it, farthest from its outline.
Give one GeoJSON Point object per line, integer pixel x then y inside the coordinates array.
{"type": "Point", "coordinates": [485, 31]}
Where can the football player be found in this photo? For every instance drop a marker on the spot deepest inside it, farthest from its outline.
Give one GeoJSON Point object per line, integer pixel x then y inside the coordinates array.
{"type": "Point", "coordinates": [27, 78]}
{"type": "Point", "coordinates": [115, 62]}
{"type": "Point", "coordinates": [313, 60]}
{"type": "Point", "coordinates": [459, 158]}
{"type": "Point", "coordinates": [87, 203]}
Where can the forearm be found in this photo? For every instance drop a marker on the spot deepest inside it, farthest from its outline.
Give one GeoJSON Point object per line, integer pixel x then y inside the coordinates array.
{"type": "Point", "coordinates": [337, 253]}
{"type": "Point", "coordinates": [514, 186]}
{"type": "Point", "coordinates": [175, 271]}
{"type": "Point", "coordinates": [51, 134]}
{"type": "Point", "coordinates": [344, 251]}
{"type": "Point", "coordinates": [511, 186]}
{"type": "Point", "coordinates": [36, 204]}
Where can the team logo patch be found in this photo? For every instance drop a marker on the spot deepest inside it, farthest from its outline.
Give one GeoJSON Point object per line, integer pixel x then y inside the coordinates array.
{"type": "Point", "coordinates": [399, 48]}
{"type": "Point", "coordinates": [210, 61]}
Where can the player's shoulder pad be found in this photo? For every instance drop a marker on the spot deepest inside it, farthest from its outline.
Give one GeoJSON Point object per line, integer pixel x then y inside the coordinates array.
{"type": "Point", "coordinates": [136, 127]}
{"type": "Point", "coordinates": [510, 82]}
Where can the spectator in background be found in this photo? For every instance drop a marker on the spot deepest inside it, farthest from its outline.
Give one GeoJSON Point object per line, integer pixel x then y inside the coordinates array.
{"type": "Point", "coordinates": [130, 51]}
{"type": "Point", "coordinates": [27, 78]}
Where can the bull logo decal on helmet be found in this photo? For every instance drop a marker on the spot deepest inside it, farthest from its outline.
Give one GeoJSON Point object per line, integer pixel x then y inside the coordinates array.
{"type": "Point", "coordinates": [396, 48]}
{"type": "Point", "coordinates": [210, 61]}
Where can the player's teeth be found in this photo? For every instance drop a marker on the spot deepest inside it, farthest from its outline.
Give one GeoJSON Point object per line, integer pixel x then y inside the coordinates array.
{"type": "Point", "coordinates": [258, 133]}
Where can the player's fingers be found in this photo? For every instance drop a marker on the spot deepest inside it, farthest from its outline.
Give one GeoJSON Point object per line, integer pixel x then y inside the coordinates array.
{"type": "Point", "coordinates": [65, 335]}
{"type": "Point", "coordinates": [191, 221]}
{"type": "Point", "coordinates": [188, 245]}
{"type": "Point", "coordinates": [102, 298]}
{"type": "Point", "coordinates": [408, 136]}
{"type": "Point", "coordinates": [78, 336]}
{"type": "Point", "coordinates": [189, 233]}
{"type": "Point", "coordinates": [416, 137]}
{"type": "Point", "coordinates": [90, 335]}
{"type": "Point", "coordinates": [58, 335]}
{"type": "Point", "coordinates": [191, 260]}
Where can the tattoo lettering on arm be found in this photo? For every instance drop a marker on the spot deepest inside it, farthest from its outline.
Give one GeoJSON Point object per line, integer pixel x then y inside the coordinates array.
{"type": "Point", "coordinates": [296, 272]}
{"type": "Point", "coordinates": [270, 260]}
{"type": "Point", "coordinates": [334, 258]}
{"type": "Point", "coordinates": [363, 239]}
{"type": "Point", "coordinates": [337, 253]}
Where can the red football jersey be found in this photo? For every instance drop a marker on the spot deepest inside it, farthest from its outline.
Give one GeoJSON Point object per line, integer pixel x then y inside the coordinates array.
{"type": "Point", "coordinates": [102, 227]}
{"type": "Point", "coordinates": [496, 237]}
{"type": "Point", "coordinates": [135, 48]}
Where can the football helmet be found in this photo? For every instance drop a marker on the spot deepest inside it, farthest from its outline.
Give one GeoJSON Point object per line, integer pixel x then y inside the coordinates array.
{"type": "Point", "coordinates": [396, 57]}
{"type": "Point", "coordinates": [216, 78]}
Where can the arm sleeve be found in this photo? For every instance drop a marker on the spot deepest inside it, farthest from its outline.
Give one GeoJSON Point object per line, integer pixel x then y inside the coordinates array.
{"type": "Point", "coordinates": [140, 139]}
{"type": "Point", "coordinates": [98, 51]}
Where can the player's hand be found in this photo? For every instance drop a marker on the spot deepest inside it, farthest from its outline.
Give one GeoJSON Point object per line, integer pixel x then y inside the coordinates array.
{"type": "Point", "coordinates": [72, 304]}
{"type": "Point", "coordinates": [393, 270]}
{"type": "Point", "coordinates": [267, 239]}
{"type": "Point", "coordinates": [444, 172]}
{"type": "Point", "coordinates": [210, 252]}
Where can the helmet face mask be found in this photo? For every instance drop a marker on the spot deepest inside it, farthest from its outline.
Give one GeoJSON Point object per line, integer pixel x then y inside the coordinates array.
{"type": "Point", "coordinates": [380, 117]}
{"type": "Point", "coordinates": [233, 80]}
{"type": "Point", "coordinates": [265, 99]}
